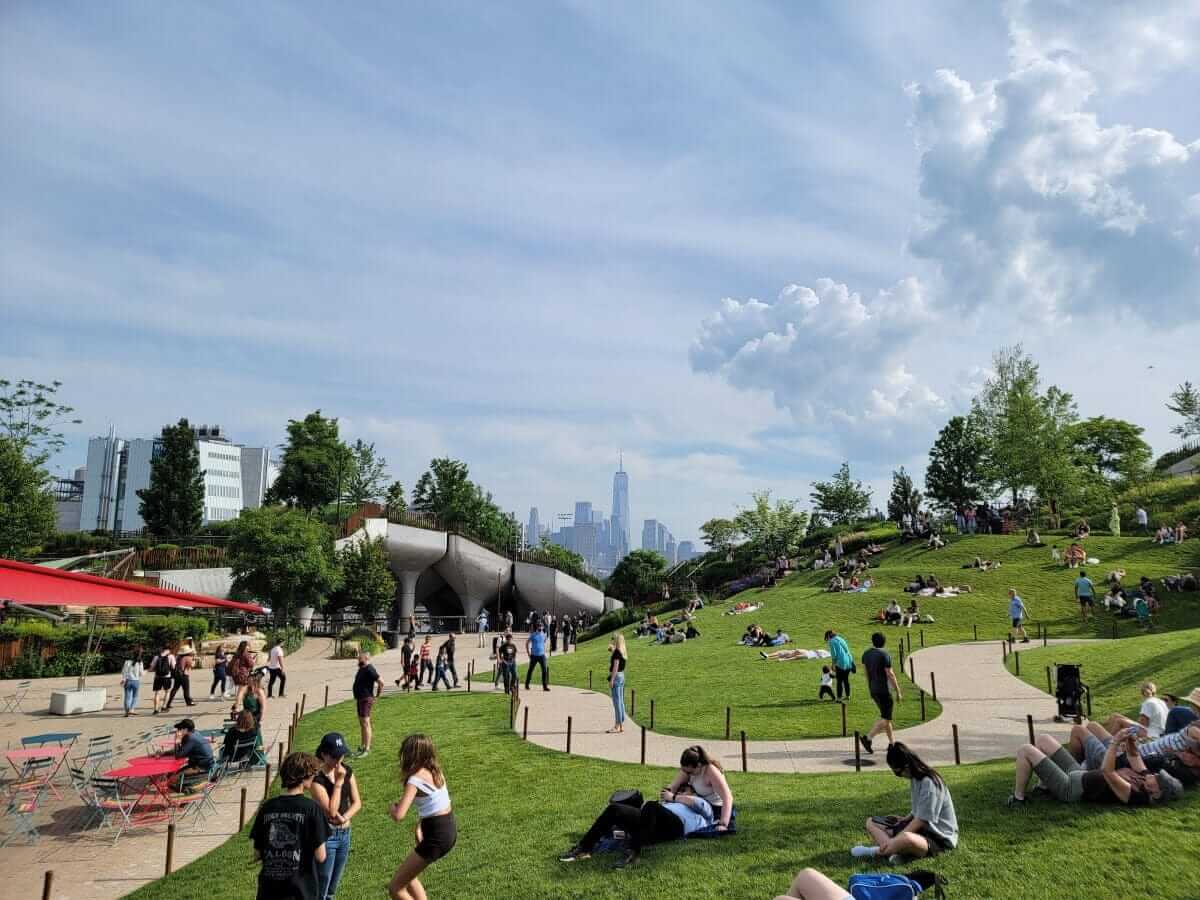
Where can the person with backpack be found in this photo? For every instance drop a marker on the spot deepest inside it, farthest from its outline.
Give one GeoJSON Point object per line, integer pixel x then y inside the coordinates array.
{"type": "Point", "coordinates": [931, 825]}
{"type": "Point", "coordinates": [180, 677]}
{"type": "Point", "coordinates": [809, 884]}
{"type": "Point", "coordinates": [163, 666]}
{"type": "Point", "coordinates": [242, 666]}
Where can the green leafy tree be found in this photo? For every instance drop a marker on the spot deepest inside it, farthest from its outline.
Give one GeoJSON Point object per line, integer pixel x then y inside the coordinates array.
{"type": "Point", "coordinates": [1056, 476]}
{"type": "Point", "coordinates": [393, 499]}
{"type": "Point", "coordinates": [905, 498]}
{"type": "Point", "coordinates": [955, 477]}
{"type": "Point", "coordinates": [772, 531]}
{"type": "Point", "coordinates": [638, 576]}
{"type": "Point", "coordinates": [365, 478]}
{"type": "Point", "coordinates": [720, 534]}
{"type": "Point", "coordinates": [367, 583]}
{"type": "Point", "coordinates": [1111, 449]}
{"type": "Point", "coordinates": [30, 416]}
{"type": "Point", "coordinates": [1185, 402]}
{"type": "Point", "coordinates": [841, 500]}
{"type": "Point", "coordinates": [283, 559]}
{"type": "Point", "coordinates": [26, 502]}
{"type": "Point", "coordinates": [314, 462]}
{"type": "Point", "coordinates": [445, 490]}
{"type": "Point", "coordinates": [173, 505]}
{"type": "Point", "coordinates": [562, 559]}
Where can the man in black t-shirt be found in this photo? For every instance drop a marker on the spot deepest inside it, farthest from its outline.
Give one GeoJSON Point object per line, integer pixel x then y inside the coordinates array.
{"type": "Point", "coordinates": [367, 686]}
{"type": "Point", "coordinates": [880, 679]}
{"type": "Point", "coordinates": [289, 835]}
{"type": "Point", "coordinates": [508, 662]}
{"type": "Point", "coordinates": [447, 647]}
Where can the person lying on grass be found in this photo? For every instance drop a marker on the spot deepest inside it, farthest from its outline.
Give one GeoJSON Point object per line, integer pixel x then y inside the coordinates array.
{"type": "Point", "coordinates": [697, 798]}
{"type": "Point", "coordinates": [930, 827]}
{"type": "Point", "coordinates": [1090, 741]}
{"type": "Point", "coordinates": [785, 655]}
{"type": "Point", "coordinates": [1068, 781]}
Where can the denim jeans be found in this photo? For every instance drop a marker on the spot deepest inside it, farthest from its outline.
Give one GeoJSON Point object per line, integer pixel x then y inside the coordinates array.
{"type": "Point", "coordinates": [618, 697]}
{"type": "Point", "coordinates": [337, 850]}
{"type": "Point", "coordinates": [132, 689]}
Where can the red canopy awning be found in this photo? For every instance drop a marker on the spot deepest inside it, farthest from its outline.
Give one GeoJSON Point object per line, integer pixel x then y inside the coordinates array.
{"type": "Point", "coordinates": [41, 586]}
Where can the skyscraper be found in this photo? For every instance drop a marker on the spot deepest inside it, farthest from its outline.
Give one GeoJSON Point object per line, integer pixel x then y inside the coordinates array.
{"type": "Point", "coordinates": [672, 549]}
{"type": "Point", "coordinates": [650, 534]}
{"type": "Point", "coordinates": [533, 531]}
{"type": "Point", "coordinates": [619, 525]}
{"type": "Point", "coordinates": [583, 512]}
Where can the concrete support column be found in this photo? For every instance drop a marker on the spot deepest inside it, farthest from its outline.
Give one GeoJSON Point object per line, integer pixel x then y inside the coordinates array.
{"type": "Point", "coordinates": [408, 596]}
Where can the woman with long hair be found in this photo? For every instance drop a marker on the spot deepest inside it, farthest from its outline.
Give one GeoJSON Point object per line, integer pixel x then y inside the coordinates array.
{"type": "Point", "coordinates": [243, 665]}
{"type": "Point", "coordinates": [930, 827]}
{"type": "Point", "coordinates": [616, 681]}
{"type": "Point", "coordinates": [437, 832]}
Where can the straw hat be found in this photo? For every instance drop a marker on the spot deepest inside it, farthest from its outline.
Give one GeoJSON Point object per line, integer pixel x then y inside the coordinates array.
{"type": "Point", "coordinates": [1194, 697]}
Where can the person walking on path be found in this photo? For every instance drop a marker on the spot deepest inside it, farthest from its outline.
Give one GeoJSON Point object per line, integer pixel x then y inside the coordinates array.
{"type": "Point", "coordinates": [447, 648]}
{"type": "Point", "coordinates": [880, 678]}
{"type": "Point", "coordinates": [220, 674]}
{"type": "Point", "coordinates": [275, 670]}
{"type": "Point", "coordinates": [164, 665]}
{"type": "Point", "coordinates": [616, 681]}
{"type": "Point", "coordinates": [426, 661]}
{"type": "Point", "coordinates": [131, 680]}
{"type": "Point", "coordinates": [367, 687]}
{"type": "Point", "coordinates": [843, 661]}
{"type": "Point", "coordinates": [437, 831]}
{"type": "Point", "coordinates": [535, 646]}
{"type": "Point", "coordinates": [289, 835]}
{"type": "Point", "coordinates": [335, 790]}
{"type": "Point", "coordinates": [507, 663]}
{"type": "Point", "coordinates": [181, 678]}
{"type": "Point", "coordinates": [552, 633]}
{"type": "Point", "coordinates": [240, 671]}
{"type": "Point", "coordinates": [1085, 593]}
{"type": "Point", "coordinates": [439, 671]}
{"type": "Point", "coordinates": [1017, 613]}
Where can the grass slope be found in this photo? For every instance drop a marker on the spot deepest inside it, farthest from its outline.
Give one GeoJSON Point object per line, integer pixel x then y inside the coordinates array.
{"type": "Point", "coordinates": [519, 805]}
{"type": "Point", "coordinates": [1115, 670]}
{"type": "Point", "coordinates": [693, 682]}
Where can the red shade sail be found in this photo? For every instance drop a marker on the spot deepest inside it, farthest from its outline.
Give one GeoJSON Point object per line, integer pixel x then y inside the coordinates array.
{"type": "Point", "coordinates": [41, 586]}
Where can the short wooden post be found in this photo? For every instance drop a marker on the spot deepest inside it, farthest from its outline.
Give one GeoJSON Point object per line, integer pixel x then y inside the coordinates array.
{"type": "Point", "coordinates": [568, 735]}
{"type": "Point", "coordinates": [857, 752]}
{"type": "Point", "coordinates": [728, 714]}
{"type": "Point", "coordinates": [266, 780]}
{"type": "Point", "coordinates": [470, 674]}
{"type": "Point", "coordinates": [745, 758]}
{"type": "Point", "coordinates": [633, 701]}
{"type": "Point", "coordinates": [1088, 691]}
{"type": "Point", "coordinates": [47, 884]}
{"type": "Point", "coordinates": [933, 684]}
{"type": "Point", "coordinates": [1029, 722]}
{"type": "Point", "coordinates": [922, 706]}
{"type": "Point", "coordinates": [912, 669]}
{"type": "Point", "coordinates": [643, 745]}
{"type": "Point", "coordinates": [512, 710]}
{"type": "Point", "coordinates": [1017, 661]}
{"type": "Point", "coordinates": [902, 656]}
{"type": "Point", "coordinates": [326, 695]}
{"type": "Point", "coordinates": [589, 679]}
{"type": "Point", "coordinates": [843, 706]}
{"type": "Point", "coordinates": [922, 638]}
{"type": "Point", "coordinates": [242, 811]}
{"type": "Point", "coordinates": [957, 758]}
{"type": "Point", "coordinates": [281, 753]}
{"type": "Point", "coordinates": [303, 701]}
{"type": "Point", "coordinates": [1049, 682]}
{"type": "Point", "coordinates": [651, 713]}
{"type": "Point", "coordinates": [1004, 651]}
{"type": "Point", "coordinates": [975, 632]}
{"type": "Point", "coordinates": [170, 847]}
{"type": "Point", "coordinates": [525, 726]}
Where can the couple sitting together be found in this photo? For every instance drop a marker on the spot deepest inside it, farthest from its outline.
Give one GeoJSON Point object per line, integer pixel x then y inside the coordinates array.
{"type": "Point", "coordinates": [756, 636]}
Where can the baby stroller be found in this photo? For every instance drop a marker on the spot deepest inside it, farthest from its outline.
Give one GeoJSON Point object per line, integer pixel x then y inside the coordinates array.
{"type": "Point", "coordinates": [1069, 691]}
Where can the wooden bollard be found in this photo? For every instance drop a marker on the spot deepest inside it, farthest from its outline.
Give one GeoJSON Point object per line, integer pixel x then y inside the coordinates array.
{"type": "Point", "coordinates": [643, 745]}
{"type": "Point", "coordinates": [1029, 722]}
{"type": "Point", "coordinates": [525, 726]}
{"type": "Point", "coordinates": [902, 656]}
{"type": "Point", "coordinates": [242, 811]}
{"type": "Point", "coordinates": [1049, 682]}
{"type": "Point", "coordinates": [633, 701]}
{"type": "Point", "coordinates": [326, 695]}
{"type": "Point", "coordinates": [589, 679]}
{"type": "Point", "coordinates": [568, 735]}
{"type": "Point", "coordinates": [933, 684]}
{"type": "Point", "coordinates": [470, 674]}
{"type": "Point", "coordinates": [170, 847]}
{"type": "Point", "coordinates": [857, 753]}
{"type": "Point", "coordinates": [922, 706]}
{"type": "Point", "coordinates": [47, 884]}
{"type": "Point", "coordinates": [912, 669]}
{"type": "Point", "coordinates": [266, 780]}
{"type": "Point", "coordinates": [1004, 651]}
{"type": "Point", "coordinates": [957, 758]}
{"type": "Point", "coordinates": [512, 710]}
{"type": "Point", "coordinates": [1088, 691]}
{"type": "Point", "coordinates": [975, 632]}
{"type": "Point", "coordinates": [303, 701]}
{"type": "Point", "coordinates": [1017, 662]}
{"type": "Point", "coordinates": [745, 758]}
{"type": "Point", "coordinates": [922, 630]}
{"type": "Point", "coordinates": [843, 706]}
{"type": "Point", "coordinates": [281, 754]}
{"type": "Point", "coordinates": [651, 713]}
{"type": "Point", "coordinates": [1045, 636]}
{"type": "Point", "coordinates": [728, 714]}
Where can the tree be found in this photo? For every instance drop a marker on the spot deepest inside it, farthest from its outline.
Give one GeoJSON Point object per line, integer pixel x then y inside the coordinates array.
{"type": "Point", "coordinates": [1110, 449]}
{"type": "Point", "coordinates": [314, 463]}
{"type": "Point", "coordinates": [445, 490]}
{"type": "Point", "coordinates": [173, 505]}
{"type": "Point", "coordinates": [637, 576]}
{"type": "Point", "coordinates": [29, 416]}
{"type": "Point", "coordinates": [364, 479]}
{"type": "Point", "coordinates": [1009, 414]}
{"type": "Point", "coordinates": [1055, 475]}
{"type": "Point", "coordinates": [26, 502]}
{"type": "Point", "coordinates": [720, 534]}
{"type": "Point", "coordinates": [393, 499]}
{"type": "Point", "coordinates": [904, 498]}
{"type": "Point", "coordinates": [1185, 402]}
{"type": "Point", "coordinates": [841, 500]}
{"type": "Point", "coordinates": [282, 558]}
{"type": "Point", "coordinates": [367, 583]}
{"type": "Point", "coordinates": [773, 531]}
{"type": "Point", "coordinates": [955, 476]}
{"type": "Point", "coordinates": [562, 559]}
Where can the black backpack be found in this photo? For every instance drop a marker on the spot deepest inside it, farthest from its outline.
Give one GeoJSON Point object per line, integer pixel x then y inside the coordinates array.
{"type": "Point", "coordinates": [162, 666]}
{"type": "Point", "coordinates": [627, 798]}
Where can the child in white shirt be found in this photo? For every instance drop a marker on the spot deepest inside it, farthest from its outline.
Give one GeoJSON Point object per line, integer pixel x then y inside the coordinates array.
{"type": "Point", "coordinates": [826, 684]}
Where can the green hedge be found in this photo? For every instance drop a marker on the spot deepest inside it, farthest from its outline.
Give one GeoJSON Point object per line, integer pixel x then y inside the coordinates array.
{"type": "Point", "coordinates": [291, 638]}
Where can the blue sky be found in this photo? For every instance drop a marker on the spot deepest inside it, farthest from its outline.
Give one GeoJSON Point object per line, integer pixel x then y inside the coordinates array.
{"type": "Point", "coordinates": [529, 235]}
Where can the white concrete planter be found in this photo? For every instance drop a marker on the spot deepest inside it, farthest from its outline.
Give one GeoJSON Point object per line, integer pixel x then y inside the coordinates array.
{"type": "Point", "coordinates": [305, 616]}
{"type": "Point", "coordinates": [72, 703]}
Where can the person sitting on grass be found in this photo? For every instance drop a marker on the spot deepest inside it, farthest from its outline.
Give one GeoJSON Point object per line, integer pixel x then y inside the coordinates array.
{"type": "Point", "coordinates": [1114, 600]}
{"type": "Point", "coordinates": [1141, 606]}
{"type": "Point", "coordinates": [781, 637]}
{"type": "Point", "coordinates": [1067, 781]}
{"type": "Point", "coordinates": [935, 541]}
{"type": "Point", "coordinates": [691, 633]}
{"type": "Point", "coordinates": [836, 584]}
{"type": "Point", "coordinates": [1083, 530]}
{"type": "Point", "coordinates": [1032, 538]}
{"type": "Point", "coordinates": [1152, 716]}
{"type": "Point", "coordinates": [698, 798]}
{"type": "Point", "coordinates": [893, 613]}
{"type": "Point", "coordinates": [930, 827]}
{"type": "Point", "coordinates": [1180, 713]}
{"type": "Point", "coordinates": [1180, 532]}
{"type": "Point", "coordinates": [913, 614]}
{"type": "Point", "coordinates": [1075, 556]}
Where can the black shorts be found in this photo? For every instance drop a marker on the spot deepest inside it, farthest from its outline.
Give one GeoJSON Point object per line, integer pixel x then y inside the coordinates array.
{"type": "Point", "coordinates": [885, 703]}
{"type": "Point", "coordinates": [162, 682]}
{"type": "Point", "coordinates": [439, 834]}
{"type": "Point", "coordinates": [936, 842]}
{"type": "Point", "coordinates": [1016, 623]}
{"type": "Point", "coordinates": [1087, 601]}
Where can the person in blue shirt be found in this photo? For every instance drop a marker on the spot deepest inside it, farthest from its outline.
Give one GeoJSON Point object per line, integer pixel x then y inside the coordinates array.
{"type": "Point", "coordinates": [1018, 613]}
{"type": "Point", "coordinates": [1180, 714]}
{"type": "Point", "coordinates": [843, 662]}
{"type": "Point", "coordinates": [535, 646]}
{"type": "Point", "coordinates": [195, 749]}
{"type": "Point", "coordinates": [1085, 593]}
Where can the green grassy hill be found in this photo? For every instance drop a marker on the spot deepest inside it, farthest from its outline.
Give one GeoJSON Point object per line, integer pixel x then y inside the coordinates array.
{"type": "Point", "coordinates": [692, 683]}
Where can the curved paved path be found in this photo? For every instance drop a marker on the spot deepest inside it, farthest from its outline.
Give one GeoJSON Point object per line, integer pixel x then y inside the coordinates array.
{"type": "Point", "coordinates": [976, 691]}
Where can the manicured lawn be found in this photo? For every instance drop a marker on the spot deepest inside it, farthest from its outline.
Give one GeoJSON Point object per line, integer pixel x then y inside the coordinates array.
{"type": "Point", "coordinates": [1115, 670]}
{"type": "Point", "coordinates": [519, 805]}
{"type": "Point", "coordinates": [692, 683]}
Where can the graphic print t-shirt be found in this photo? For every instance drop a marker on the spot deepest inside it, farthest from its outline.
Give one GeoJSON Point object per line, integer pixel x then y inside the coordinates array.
{"type": "Point", "coordinates": [286, 833]}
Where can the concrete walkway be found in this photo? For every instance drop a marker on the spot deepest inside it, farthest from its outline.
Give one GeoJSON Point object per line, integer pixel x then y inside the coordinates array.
{"type": "Point", "coordinates": [976, 691]}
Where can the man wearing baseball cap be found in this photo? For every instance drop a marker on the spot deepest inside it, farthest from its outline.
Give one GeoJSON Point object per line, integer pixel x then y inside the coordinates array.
{"type": "Point", "coordinates": [336, 792]}
{"type": "Point", "coordinates": [195, 749]}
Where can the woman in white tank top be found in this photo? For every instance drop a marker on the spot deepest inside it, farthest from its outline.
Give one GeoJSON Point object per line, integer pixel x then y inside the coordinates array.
{"type": "Point", "coordinates": [437, 831]}
{"type": "Point", "coordinates": [703, 777]}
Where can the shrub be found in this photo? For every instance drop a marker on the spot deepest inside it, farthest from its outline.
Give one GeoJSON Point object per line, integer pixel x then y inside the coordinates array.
{"type": "Point", "coordinates": [365, 638]}
{"type": "Point", "coordinates": [290, 638]}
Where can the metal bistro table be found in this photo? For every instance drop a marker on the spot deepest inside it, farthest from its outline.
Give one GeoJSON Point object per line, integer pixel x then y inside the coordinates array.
{"type": "Point", "coordinates": [155, 774]}
{"type": "Point", "coordinates": [62, 738]}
